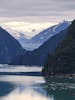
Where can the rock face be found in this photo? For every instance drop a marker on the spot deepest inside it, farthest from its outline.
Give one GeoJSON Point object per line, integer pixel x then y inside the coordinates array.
{"type": "Point", "coordinates": [63, 61]}
{"type": "Point", "coordinates": [9, 47]}
{"type": "Point", "coordinates": [39, 56]}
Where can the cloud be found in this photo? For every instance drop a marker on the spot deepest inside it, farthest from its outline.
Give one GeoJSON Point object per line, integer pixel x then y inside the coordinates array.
{"type": "Point", "coordinates": [45, 8]}
{"type": "Point", "coordinates": [28, 94]}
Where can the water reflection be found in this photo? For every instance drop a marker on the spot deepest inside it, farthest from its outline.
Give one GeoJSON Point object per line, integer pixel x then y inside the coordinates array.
{"type": "Point", "coordinates": [61, 88]}
{"type": "Point", "coordinates": [36, 73]}
{"type": "Point", "coordinates": [6, 88]}
{"type": "Point", "coordinates": [27, 84]}
{"type": "Point", "coordinates": [34, 87]}
{"type": "Point", "coordinates": [26, 94]}
{"type": "Point", "coordinates": [61, 94]}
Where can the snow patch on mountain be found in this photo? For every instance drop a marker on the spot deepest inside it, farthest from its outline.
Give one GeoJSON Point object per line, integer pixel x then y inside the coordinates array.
{"type": "Point", "coordinates": [36, 41]}
{"type": "Point", "coordinates": [61, 26]}
{"type": "Point", "coordinates": [43, 36]}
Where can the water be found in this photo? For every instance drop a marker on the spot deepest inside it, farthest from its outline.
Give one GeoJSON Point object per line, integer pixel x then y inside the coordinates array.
{"type": "Point", "coordinates": [26, 83]}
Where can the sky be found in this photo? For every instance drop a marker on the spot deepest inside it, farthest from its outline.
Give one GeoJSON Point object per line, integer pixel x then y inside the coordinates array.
{"type": "Point", "coordinates": [32, 12]}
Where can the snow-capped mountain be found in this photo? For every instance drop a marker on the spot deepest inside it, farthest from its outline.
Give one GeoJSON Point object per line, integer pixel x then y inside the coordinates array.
{"type": "Point", "coordinates": [39, 55]}
{"type": "Point", "coordinates": [36, 41]}
{"type": "Point", "coordinates": [21, 37]}
{"type": "Point", "coordinates": [16, 34]}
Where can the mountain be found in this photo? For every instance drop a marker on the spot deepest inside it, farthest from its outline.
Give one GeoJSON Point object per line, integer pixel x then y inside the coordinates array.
{"type": "Point", "coordinates": [35, 42]}
{"type": "Point", "coordinates": [19, 36]}
{"type": "Point", "coordinates": [38, 56]}
{"type": "Point", "coordinates": [9, 47]}
{"type": "Point", "coordinates": [11, 52]}
{"type": "Point", "coordinates": [63, 61]}
{"type": "Point", "coordinates": [46, 34]}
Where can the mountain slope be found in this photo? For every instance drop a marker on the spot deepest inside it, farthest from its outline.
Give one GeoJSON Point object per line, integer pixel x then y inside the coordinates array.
{"type": "Point", "coordinates": [64, 59]}
{"type": "Point", "coordinates": [9, 47]}
{"type": "Point", "coordinates": [38, 56]}
{"type": "Point", "coordinates": [38, 40]}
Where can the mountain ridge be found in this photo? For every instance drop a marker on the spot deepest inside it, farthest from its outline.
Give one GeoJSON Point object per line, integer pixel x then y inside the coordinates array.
{"type": "Point", "coordinates": [38, 56]}
{"type": "Point", "coordinates": [64, 59]}
{"type": "Point", "coordinates": [9, 47]}
{"type": "Point", "coordinates": [38, 40]}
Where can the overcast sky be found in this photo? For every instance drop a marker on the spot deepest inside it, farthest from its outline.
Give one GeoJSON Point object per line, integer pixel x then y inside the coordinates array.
{"type": "Point", "coordinates": [37, 10]}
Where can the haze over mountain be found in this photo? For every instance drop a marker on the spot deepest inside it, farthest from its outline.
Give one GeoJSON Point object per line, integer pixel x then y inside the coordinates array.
{"type": "Point", "coordinates": [39, 55]}
{"type": "Point", "coordinates": [48, 40]}
{"type": "Point", "coordinates": [37, 40]}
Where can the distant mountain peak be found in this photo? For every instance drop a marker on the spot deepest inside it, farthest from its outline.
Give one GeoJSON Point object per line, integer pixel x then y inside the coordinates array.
{"type": "Point", "coordinates": [35, 42]}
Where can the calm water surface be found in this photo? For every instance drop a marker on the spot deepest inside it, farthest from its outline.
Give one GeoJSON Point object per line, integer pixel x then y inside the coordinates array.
{"type": "Point", "coordinates": [26, 83]}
